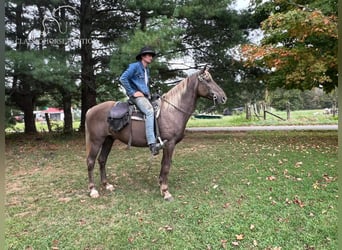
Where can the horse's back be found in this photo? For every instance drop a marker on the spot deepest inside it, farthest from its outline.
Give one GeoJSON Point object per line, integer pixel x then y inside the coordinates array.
{"type": "Point", "coordinates": [99, 111]}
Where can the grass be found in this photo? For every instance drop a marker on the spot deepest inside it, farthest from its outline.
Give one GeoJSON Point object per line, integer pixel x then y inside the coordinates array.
{"type": "Point", "coordinates": [300, 117]}
{"type": "Point", "coordinates": [255, 190]}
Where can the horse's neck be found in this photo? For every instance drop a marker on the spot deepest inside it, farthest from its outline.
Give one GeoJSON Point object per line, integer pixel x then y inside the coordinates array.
{"type": "Point", "coordinates": [183, 97]}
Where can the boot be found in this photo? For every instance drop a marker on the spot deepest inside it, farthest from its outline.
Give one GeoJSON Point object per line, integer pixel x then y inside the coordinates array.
{"type": "Point", "coordinates": [155, 147]}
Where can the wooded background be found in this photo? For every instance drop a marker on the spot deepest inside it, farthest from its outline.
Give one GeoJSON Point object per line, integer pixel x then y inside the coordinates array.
{"type": "Point", "coordinates": [71, 53]}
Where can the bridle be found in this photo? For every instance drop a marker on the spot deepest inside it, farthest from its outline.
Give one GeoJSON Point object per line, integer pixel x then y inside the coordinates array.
{"type": "Point", "coordinates": [202, 78]}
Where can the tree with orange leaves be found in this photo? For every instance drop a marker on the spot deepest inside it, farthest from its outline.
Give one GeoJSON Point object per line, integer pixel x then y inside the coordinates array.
{"type": "Point", "coordinates": [299, 46]}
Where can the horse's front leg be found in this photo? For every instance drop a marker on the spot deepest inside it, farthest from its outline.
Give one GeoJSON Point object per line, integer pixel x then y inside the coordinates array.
{"type": "Point", "coordinates": [102, 160]}
{"type": "Point", "coordinates": [165, 169]}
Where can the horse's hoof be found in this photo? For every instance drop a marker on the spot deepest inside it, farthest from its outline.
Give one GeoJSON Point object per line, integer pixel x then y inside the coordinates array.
{"type": "Point", "coordinates": [169, 198]}
{"type": "Point", "coordinates": [110, 187]}
{"type": "Point", "coordinates": [94, 193]}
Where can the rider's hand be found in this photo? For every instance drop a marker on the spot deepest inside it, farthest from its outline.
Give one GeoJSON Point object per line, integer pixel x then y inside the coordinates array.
{"type": "Point", "coordinates": [138, 94]}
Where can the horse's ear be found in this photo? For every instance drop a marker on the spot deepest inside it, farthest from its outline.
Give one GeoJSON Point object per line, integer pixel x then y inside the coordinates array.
{"type": "Point", "coordinates": [205, 68]}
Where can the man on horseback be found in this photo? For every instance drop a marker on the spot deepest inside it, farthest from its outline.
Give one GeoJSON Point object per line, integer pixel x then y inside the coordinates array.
{"type": "Point", "coordinates": [135, 80]}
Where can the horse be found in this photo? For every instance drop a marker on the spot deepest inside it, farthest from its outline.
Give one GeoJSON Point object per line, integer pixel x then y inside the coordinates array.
{"type": "Point", "coordinates": [177, 106]}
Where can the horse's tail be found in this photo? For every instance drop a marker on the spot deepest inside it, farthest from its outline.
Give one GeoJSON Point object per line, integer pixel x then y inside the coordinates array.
{"type": "Point", "coordinates": [87, 137]}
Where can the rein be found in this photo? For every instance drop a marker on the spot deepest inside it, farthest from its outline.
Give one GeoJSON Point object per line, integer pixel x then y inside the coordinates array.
{"type": "Point", "coordinates": [175, 106]}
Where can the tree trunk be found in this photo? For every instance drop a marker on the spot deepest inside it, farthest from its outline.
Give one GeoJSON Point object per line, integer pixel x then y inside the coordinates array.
{"type": "Point", "coordinates": [88, 86]}
{"type": "Point", "coordinates": [26, 103]}
{"type": "Point", "coordinates": [22, 94]}
{"type": "Point", "coordinates": [143, 20]}
{"type": "Point", "coordinates": [68, 128]}
{"type": "Point", "coordinates": [48, 123]}
{"type": "Point", "coordinates": [66, 95]}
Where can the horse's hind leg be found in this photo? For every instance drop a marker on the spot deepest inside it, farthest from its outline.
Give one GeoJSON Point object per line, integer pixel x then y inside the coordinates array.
{"type": "Point", "coordinates": [91, 158]}
{"type": "Point", "coordinates": [102, 159]}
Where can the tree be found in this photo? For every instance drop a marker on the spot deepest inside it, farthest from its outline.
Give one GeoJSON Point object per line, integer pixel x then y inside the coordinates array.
{"type": "Point", "coordinates": [186, 29]}
{"type": "Point", "coordinates": [152, 25]}
{"type": "Point", "coordinates": [37, 60]}
{"type": "Point", "coordinates": [102, 37]}
{"type": "Point", "coordinates": [19, 66]}
{"type": "Point", "coordinates": [211, 37]}
{"type": "Point", "coordinates": [299, 48]}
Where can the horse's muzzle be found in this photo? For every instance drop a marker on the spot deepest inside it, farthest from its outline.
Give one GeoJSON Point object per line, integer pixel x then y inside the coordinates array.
{"type": "Point", "coordinates": [223, 99]}
{"type": "Point", "coordinates": [219, 99]}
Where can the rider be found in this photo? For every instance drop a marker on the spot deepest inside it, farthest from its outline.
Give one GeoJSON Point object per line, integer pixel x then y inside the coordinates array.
{"type": "Point", "coordinates": [135, 80]}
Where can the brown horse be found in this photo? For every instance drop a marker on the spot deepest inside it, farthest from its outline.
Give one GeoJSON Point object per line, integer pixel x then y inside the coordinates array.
{"type": "Point", "coordinates": [177, 106]}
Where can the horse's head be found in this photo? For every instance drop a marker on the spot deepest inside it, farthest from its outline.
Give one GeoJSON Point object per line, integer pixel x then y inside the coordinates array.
{"type": "Point", "coordinates": [208, 88]}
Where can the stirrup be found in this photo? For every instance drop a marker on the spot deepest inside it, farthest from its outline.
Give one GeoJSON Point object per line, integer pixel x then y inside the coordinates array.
{"type": "Point", "coordinates": [161, 142]}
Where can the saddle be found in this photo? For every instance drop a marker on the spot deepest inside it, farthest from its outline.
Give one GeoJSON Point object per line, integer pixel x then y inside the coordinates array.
{"type": "Point", "coordinates": [122, 113]}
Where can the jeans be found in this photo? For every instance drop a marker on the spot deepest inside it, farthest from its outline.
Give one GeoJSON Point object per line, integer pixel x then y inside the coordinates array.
{"type": "Point", "coordinates": [146, 107]}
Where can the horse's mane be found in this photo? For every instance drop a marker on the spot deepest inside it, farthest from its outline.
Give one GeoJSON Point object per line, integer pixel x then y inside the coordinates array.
{"type": "Point", "coordinates": [174, 95]}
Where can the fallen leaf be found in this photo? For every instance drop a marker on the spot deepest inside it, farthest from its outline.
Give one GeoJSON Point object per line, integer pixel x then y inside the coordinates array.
{"type": "Point", "coordinates": [298, 164]}
{"type": "Point", "coordinates": [224, 243]}
{"type": "Point", "coordinates": [82, 221]}
{"type": "Point", "coordinates": [327, 178]}
{"type": "Point", "coordinates": [65, 199]}
{"type": "Point", "coordinates": [226, 205]}
{"type": "Point", "coordinates": [239, 236]}
{"type": "Point", "coordinates": [55, 245]}
{"type": "Point", "coordinates": [298, 202]}
{"type": "Point", "coordinates": [167, 228]}
{"type": "Point", "coordinates": [251, 227]}
{"type": "Point", "coordinates": [271, 178]}
{"type": "Point", "coordinates": [235, 243]}
{"type": "Point", "coordinates": [315, 185]}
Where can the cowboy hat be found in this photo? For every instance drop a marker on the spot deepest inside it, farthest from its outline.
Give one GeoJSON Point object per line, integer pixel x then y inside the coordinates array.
{"type": "Point", "coordinates": [145, 50]}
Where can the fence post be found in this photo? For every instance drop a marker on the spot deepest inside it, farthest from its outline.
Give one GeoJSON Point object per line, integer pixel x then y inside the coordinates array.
{"type": "Point", "coordinates": [288, 110]}
{"type": "Point", "coordinates": [248, 111]}
{"type": "Point", "coordinates": [264, 109]}
{"type": "Point", "coordinates": [333, 110]}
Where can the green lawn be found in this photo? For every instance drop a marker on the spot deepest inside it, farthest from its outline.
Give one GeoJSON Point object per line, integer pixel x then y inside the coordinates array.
{"type": "Point", "coordinates": [255, 190]}
{"type": "Point", "coordinates": [301, 117]}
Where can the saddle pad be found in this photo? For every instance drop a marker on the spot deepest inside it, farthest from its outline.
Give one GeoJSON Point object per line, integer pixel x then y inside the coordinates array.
{"type": "Point", "coordinates": [119, 110]}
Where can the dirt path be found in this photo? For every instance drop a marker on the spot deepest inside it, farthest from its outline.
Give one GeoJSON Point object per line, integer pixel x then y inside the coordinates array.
{"type": "Point", "coordinates": [264, 128]}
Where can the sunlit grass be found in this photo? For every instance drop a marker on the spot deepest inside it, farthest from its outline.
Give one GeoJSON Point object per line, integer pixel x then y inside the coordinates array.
{"type": "Point", "coordinates": [300, 117]}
